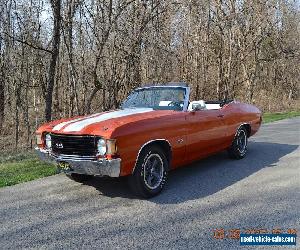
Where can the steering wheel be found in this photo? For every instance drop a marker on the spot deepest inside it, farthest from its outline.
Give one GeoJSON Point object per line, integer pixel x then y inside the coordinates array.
{"type": "Point", "coordinates": [177, 105]}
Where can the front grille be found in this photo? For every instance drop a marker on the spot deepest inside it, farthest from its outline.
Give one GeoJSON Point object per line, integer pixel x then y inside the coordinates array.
{"type": "Point", "coordinates": [74, 145]}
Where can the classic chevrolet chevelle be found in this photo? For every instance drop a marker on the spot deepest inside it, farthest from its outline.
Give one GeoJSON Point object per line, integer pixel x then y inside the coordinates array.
{"type": "Point", "coordinates": [157, 129]}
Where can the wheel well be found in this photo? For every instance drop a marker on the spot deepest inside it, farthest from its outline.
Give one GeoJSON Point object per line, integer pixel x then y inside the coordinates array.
{"type": "Point", "coordinates": [164, 145]}
{"type": "Point", "coordinates": [248, 129]}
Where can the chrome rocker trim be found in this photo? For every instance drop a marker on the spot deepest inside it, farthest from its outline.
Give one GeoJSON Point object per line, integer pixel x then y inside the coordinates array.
{"type": "Point", "coordinates": [88, 165]}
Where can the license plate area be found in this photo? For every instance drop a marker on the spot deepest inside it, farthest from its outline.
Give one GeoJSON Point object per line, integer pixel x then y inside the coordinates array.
{"type": "Point", "coordinates": [64, 166]}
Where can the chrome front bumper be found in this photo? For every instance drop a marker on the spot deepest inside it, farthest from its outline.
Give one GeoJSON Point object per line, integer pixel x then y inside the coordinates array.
{"type": "Point", "coordinates": [82, 164]}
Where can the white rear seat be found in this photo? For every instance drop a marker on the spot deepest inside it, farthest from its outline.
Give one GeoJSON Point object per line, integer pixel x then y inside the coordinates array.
{"type": "Point", "coordinates": [204, 105]}
{"type": "Point", "coordinates": [213, 106]}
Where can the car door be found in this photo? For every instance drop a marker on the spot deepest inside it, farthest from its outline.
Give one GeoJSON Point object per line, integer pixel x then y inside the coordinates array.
{"type": "Point", "coordinates": [206, 133]}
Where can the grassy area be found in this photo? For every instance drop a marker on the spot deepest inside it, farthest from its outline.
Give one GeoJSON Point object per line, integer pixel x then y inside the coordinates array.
{"type": "Point", "coordinates": [22, 167]}
{"type": "Point", "coordinates": [272, 117]}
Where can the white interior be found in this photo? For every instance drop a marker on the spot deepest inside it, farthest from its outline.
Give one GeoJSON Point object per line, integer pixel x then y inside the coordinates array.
{"type": "Point", "coordinates": [213, 106]}
{"type": "Point", "coordinates": [164, 103]}
{"type": "Point", "coordinates": [203, 105]}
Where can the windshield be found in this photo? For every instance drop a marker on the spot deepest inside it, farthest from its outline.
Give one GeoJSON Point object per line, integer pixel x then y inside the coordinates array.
{"type": "Point", "coordinates": [163, 98]}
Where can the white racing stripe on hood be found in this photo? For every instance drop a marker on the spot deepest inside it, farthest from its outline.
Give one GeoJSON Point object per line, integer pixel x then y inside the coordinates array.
{"type": "Point", "coordinates": [60, 125]}
{"type": "Point", "coordinates": [77, 126]}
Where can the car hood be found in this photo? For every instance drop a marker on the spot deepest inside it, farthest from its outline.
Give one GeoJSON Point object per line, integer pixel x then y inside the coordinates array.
{"type": "Point", "coordinates": [103, 124]}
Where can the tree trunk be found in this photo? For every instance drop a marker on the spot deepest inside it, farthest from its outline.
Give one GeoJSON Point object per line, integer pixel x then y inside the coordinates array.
{"type": "Point", "coordinates": [2, 103]}
{"type": "Point", "coordinates": [56, 7]}
{"type": "Point", "coordinates": [90, 99]}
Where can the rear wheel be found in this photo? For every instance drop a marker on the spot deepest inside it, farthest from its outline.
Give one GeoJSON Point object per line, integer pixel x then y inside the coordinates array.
{"type": "Point", "coordinates": [150, 174]}
{"type": "Point", "coordinates": [79, 177]}
{"type": "Point", "coordinates": [238, 148]}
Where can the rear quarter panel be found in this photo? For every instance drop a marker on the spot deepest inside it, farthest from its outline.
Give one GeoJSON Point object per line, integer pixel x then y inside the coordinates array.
{"type": "Point", "coordinates": [237, 114]}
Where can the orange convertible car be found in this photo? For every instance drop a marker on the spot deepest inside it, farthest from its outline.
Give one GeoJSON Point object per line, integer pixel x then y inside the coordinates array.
{"type": "Point", "coordinates": [157, 129]}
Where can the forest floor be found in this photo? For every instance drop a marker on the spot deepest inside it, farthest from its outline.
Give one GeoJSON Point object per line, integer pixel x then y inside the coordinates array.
{"type": "Point", "coordinates": [22, 167]}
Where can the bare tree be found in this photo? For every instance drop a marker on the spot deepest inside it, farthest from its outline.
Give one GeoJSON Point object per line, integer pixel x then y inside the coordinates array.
{"type": "Point", "coordinates": [56, 8]}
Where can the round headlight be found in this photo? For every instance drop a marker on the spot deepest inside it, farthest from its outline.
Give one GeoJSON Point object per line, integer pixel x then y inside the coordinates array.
{"type": "Point", "coordinates": [101, 147]}
{"type": "Point", "coordinates": [48, 141]}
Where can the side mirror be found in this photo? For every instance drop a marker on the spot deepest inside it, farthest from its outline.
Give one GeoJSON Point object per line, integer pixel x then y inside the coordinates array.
{"type": "Point", "coordinates": [197, 106]}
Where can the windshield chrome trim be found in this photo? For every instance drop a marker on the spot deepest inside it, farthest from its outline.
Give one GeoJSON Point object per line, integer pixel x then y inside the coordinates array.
{"type": "Point", "coordinates": [186, 99]}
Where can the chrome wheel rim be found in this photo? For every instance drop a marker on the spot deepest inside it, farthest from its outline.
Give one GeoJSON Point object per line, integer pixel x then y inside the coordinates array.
{"type": "Point", "coordinates": [153, 171]}
{"type": "Point", "coordinates": [242, 141]}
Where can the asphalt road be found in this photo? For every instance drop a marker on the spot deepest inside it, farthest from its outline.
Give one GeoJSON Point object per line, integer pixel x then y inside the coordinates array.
{"type": "Point", "coordinates": [261, 191]}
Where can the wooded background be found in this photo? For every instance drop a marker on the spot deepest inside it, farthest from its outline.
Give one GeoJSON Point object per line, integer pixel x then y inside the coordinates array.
{"type": "Point", "coordinates": [62, 58]}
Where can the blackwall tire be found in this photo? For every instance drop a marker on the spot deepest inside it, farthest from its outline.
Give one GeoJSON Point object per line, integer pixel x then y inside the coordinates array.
{"type": "Point", "coordinates": [239, 146]}
{"type": "Point", "coordinates": [150, 173]}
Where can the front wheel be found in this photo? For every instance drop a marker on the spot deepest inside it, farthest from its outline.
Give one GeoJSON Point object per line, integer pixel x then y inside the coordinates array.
{"type": "Point", "coordinates": [238, 148]}
{"type": "Point", "coordinates": [150, 174]}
